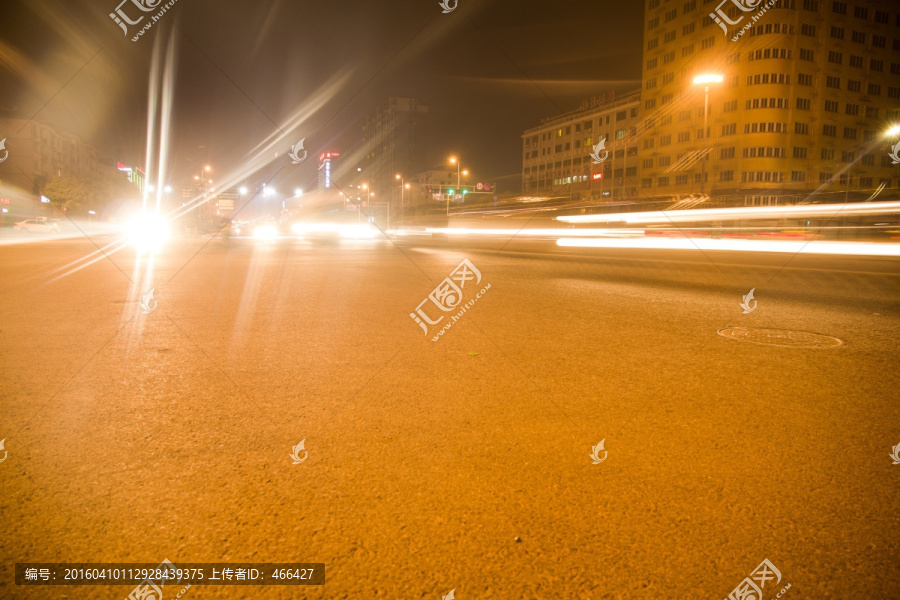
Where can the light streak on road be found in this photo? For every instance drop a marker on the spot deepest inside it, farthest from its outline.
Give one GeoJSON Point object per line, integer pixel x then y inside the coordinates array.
{"type": "Point", "coordinates": [551, 232]}
{"type": "Point", "coordinates": [736, 245]}
{"type": "Point", "coordinates": [807, 211]}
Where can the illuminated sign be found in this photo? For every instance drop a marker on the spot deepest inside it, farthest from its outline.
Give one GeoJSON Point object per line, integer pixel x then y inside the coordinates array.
{"type": "Point", "coordinates": [597, 176]}
{"type": "Point", "coordinates": [325, 155]}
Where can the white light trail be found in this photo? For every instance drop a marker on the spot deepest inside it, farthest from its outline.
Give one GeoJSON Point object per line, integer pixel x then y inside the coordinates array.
{"type": "Point", "coordinates": [807, 211]}
{"type": "Point", "coordinates": [736, 245]}
{"type": "Point", "coordinates": [552, 232]}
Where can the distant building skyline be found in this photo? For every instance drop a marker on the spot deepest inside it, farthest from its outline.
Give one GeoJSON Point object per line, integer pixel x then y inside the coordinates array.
{"type": "Point", "coordinates": [395, 141]}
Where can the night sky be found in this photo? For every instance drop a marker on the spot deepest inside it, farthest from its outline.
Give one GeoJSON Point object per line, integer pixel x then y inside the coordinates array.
{"type": "Point", "coordinates": [488, 71]}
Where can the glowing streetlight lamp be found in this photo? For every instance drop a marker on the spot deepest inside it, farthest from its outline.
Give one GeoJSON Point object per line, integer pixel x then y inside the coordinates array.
{"type": "Point", "coordinates": [708, 78]}
{"type": "Point", "coordinates": [705, 80]}
{"type": "Point", "coordinates": [454, 161]}
{"type": "Point", "coordinates": [893, 131]}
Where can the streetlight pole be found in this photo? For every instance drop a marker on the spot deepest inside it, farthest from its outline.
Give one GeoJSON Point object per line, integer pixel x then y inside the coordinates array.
{"type": "Point", "coordinates": [705, 141]}
{"type": "Point", "coordinates": [400, 177]}
{"type": "Point", "coordinates": [706, 80]}
{"type": "Point", "coordinates": [454, 160]}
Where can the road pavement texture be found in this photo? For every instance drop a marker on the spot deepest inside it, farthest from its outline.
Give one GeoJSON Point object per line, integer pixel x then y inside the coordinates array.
{"type": "Point", "coordinates": [461, 464]}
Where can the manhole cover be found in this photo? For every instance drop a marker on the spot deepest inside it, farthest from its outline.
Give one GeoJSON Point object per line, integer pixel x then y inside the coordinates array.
{"type": "Point", "coordinates": [780, 337]}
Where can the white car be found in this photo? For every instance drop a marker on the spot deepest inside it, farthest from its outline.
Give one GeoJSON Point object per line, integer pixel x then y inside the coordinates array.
{"type": "Point", "coordinates": [39, 225]}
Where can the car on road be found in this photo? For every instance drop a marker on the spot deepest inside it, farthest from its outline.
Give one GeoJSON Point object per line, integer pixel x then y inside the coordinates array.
{"type": "Point", "coordinates": [38, 225]}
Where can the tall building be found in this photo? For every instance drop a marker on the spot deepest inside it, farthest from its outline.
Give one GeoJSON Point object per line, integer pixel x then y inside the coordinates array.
{"type": "Point", "coordinates": [395, 138]}
{"type": "Point", "coordinates": [808, 89]}
{"type": "Point", "coordinates": [557, 155]}
{"type": "Point", "coordinates": [325, 170]}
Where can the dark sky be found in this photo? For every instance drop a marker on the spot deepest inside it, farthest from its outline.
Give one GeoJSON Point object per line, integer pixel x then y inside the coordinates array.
{"type": "Point", "coordinates": [488, 70]}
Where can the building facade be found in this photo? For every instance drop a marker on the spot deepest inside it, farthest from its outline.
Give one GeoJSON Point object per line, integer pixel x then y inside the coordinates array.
{"type": "Point", "coordinates": [800, 100]}
{"type": "Point", "coordinates": [395, 140]}
{"type": "Point", "coordinates": [808, 89]}
{"type": "Point", "coordinates": [38, 152]}
{"type": "Point", "coordinates": [557, 155]}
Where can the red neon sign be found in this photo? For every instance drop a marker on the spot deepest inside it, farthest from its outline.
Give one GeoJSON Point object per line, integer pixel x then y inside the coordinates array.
{"type": "Point", "coordinates": [597, 176]}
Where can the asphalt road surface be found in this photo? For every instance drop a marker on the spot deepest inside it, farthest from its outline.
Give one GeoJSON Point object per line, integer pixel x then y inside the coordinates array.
{"type": "Point", "coordinates": [462, 464]}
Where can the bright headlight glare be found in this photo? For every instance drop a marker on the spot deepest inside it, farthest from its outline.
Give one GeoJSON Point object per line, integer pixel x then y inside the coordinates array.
{"type": "Point", "coordinates": [358, 232]}
{"type": "Point", "coordinates": [265, 232]}
{"type": "Point", "coordinates": [147, 231]}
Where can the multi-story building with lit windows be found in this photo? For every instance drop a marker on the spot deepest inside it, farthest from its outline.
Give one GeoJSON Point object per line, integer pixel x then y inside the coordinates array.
{"type": "Point", "coordinates": [38, 152]}
{"type": "Point", "coordinates": [557, 155]}
{"type": "Point", "coordinates": [801, 94]}
{"type": "Point", "coordinates": [808, 89]}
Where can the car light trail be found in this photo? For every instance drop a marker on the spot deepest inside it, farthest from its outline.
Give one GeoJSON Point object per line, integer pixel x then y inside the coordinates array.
{"type": "Point", "coordinates": [736, 245]}
{"type": "Point", "coordinates": [551, 232]}
{"type": "Point", "coordinates": [756, 212]}
{"type": "Point", "coordinates": [265, 232]}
